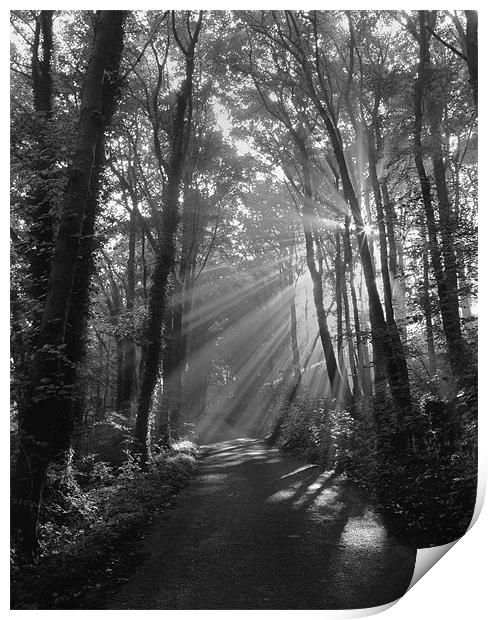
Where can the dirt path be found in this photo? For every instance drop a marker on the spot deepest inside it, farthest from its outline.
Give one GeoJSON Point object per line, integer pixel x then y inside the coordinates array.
{"type": "Point", "coordinates": [258, 529]}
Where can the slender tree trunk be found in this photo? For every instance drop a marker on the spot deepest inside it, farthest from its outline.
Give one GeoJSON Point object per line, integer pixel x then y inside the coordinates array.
{"type": "Point", "coordinates": [152, 345]}
{"type": "Point", "coordinates": [339, 385]}
{"type": "Point", "coordinates": [349, 336]}
{"type": "Point", "coordinates": [293, 337]}
{"type": "Point", "coordinates": [129, 372]}
{"type": "Point", "coordinates": [166, 402]}
{"type": "Point", "coordinates": [386, 343]}
{"type": "Point", "coordinates": [289, 286]}
{"type": "Point", "coordinates": [426, 305]}
{"type": "Point", "coordinates": [472, 51]}
{"type": "Point", "coordinates": [394, 333]}
{"type": "Point", "coordinates": [463, 282]}
{"type": "Point", "coordinates": [45, 394]}
{"type": "Point", "coordinates": [40, 208]}
{"type": "Point", "coordinates": [115, 308]}
{"type": "Point", "coordinates": [446, 216]}
{"type": "Point", "coordinates": [394, 261]}
{"type": "Point", "coordinates": [338, 287]}
{"type": "Point", "coordinates": [363, 358]}
{"type": "Point", "coordinates": [181, 300]}
{"type": "Point", "coordinates": [143, 263]}
{"type": "Point", "coordinates": [448, 302]}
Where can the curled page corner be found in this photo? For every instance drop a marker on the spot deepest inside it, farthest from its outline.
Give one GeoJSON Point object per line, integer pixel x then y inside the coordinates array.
{"type": "Point", "coordinates": [480, 498]}
{"type": "Point", "coordinates": [341, 614]}
{"type": "Point", "coordinates": [427, 557]}
{"type": "Point", "coordinates": [371, 611]}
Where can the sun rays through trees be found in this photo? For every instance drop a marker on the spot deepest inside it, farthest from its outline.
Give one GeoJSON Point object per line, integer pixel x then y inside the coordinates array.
{"type": "Point", "coordinates": [233, 224]}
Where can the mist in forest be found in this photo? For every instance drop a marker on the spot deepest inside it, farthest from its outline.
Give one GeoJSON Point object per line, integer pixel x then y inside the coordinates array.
{"type": "Point", "coordinates": [235, 226]}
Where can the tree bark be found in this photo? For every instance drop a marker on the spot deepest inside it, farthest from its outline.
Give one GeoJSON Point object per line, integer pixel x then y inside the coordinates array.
{"type": "Point", "coordinates": [338, 290]}
{"type": "Point", "coordinates": [40, 203]}
{"type": "Point", "coordinates": [79, 307]}
{"type": "Point", "coordinates": [46, 393]}
{"type": "Point", "coordinates": [385, 267]}
{"type": "Point", "coordinates": [426, 305]}
{"type": "Point", "coordinates": [353, 362]}
{"type": "Point", "coordinates": [472, 51]}
{"type": "Point", "coordinates": [129, 372]}
{"type": "Point", "coordinates": [338, 385]}
{"type": "Point", "coordinates": [181, 302]}
{"type": "Point", "coordinates": [448, 302]}
{"type": "Point", "coordinates": [152, 345]}
{"type": "Point", "coordinates": [386, 343]}
{"type": "Point", "coordinates": [293, 337]}
{"type": "Point", "coordinates": [363, 359]}
{"type": "Point", "coordinates": [395, 261]}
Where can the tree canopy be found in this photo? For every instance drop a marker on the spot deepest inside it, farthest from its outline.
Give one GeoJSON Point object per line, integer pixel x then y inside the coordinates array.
{"type": "Point", "coordinates": [229, 223]}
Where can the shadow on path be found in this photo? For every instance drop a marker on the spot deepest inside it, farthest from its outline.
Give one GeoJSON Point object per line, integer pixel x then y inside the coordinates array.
{"type": "Point", "coordinates": [258, 529]}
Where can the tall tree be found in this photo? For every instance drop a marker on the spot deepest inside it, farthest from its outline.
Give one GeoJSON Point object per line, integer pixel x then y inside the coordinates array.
{"type": "Point", "coordinates": [41, 207]}
{"type": "Point", "coordinates": [445, 275]}
{"type": "Point", "coordinates": [152, 345]}
{"type": "Point", "coordinates": [41, 422]}
{"type": "Point", "coordinates": [302, 40]}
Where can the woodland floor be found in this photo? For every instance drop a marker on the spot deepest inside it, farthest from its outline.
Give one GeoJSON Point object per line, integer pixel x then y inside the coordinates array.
{"type": "Point", "coordinates": [258, 529]}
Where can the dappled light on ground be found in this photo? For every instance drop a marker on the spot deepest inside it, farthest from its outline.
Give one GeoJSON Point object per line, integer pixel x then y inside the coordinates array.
{"type": "Point", "coordinates": [363, 531]}
{"type": "Point", "coordinates": [258, 529]}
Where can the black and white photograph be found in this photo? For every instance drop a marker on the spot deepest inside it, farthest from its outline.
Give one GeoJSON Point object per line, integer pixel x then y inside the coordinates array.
{"type": "Point", "coordinates": [243, 305]}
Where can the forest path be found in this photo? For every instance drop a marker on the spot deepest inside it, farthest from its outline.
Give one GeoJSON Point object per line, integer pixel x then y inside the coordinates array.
{"type": "Point", "coordinates": [258, 529]}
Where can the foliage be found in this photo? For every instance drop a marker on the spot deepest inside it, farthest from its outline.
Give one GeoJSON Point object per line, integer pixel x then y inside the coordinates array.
{"type": "Point", "coordinates": [260, 162]}
{"type": "Point", "coordinates": [426, 495]}
{"type": "Point", "coordinates": [318, 432]}
{"type": "Point", "coordinates": [86, 527]}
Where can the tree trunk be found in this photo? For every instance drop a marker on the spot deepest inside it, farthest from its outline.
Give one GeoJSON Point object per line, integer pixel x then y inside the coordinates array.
{"type": "Point", "coordinates": [386, 342]}
{"type": "Point", "coordinates": [289, 287]}
{"type": "Point", "coordinates": [152, 345]}
{"type": "Point", "coordinates": [79, 307]}
{"type": "Point", "coordinates": [395, 262]}
{"type": "Point", "coordinates": [339, 386]}
{"type": "Point", "coordinates": [178, 358]}
{"type": "Point", "coordinates": [45, 393]}
{"type": "Point", "coordinates": [426, 305]}
{"type": "Point", "coordinates": [349, 336]}
{"type": "Point", "coordinates": [338, 290]}
{"type": "Point", "coordinates": [293, 337]}
{"type": "Point", "coordinates": [38, 210]}
{"type": "Point", "coordinates": [363, 358]}
{"type": "Point", "coordinates": [394, 334]}
{"type": "Point", "coordinates": [472, 51]}
{"type": "Point", "coordinates": [448, 302]}
{"type": "Point", "coordinates": [181, 300]}
{"type": "Point", "coordinates": [129, 372]}
{"type": "Point", "coordinates": [40, 207]}
{"type": "Point", "coordinates": [165, 404]}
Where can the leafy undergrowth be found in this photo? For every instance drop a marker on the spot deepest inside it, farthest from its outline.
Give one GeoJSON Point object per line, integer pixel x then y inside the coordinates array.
{"type": "Point", "coordinates": [88, 532]}
{"type": "Point", "coordinates": [428, 498]}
